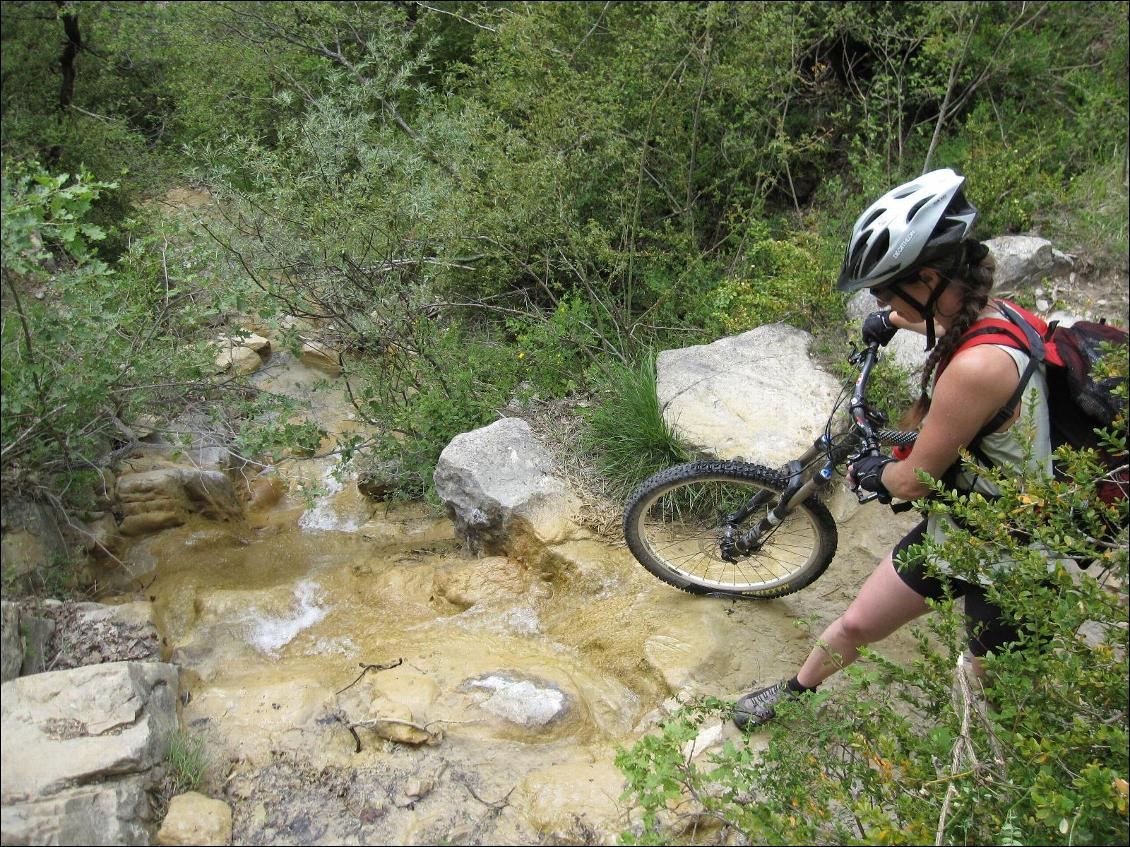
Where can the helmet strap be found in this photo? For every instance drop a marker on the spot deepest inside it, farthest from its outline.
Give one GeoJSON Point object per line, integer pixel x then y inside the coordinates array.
{"type": "Point", "coordinates": [925, 309]}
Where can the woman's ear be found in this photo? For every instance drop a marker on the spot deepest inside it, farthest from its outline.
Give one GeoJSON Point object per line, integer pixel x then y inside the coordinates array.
{"type": "Point", "coordinates": [929, 276]}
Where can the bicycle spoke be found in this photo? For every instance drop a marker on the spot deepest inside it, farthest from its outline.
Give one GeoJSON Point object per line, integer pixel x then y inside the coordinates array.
{"type": "Point", "coordinates": [683, 527]}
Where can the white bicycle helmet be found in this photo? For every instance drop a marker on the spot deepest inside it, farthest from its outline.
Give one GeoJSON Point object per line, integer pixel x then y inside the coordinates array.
{"type": "Point", "coordinates": [906, 229]}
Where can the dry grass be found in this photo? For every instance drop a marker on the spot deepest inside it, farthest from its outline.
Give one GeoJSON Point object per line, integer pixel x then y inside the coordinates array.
{"type": "Point", "coordinates": [558, 425]}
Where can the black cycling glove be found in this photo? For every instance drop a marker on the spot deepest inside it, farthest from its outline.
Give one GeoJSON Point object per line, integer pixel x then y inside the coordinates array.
{"type": "Point", "coordinates": [877, 327]}
{"type": "Point", "coordinates": [868, 472]}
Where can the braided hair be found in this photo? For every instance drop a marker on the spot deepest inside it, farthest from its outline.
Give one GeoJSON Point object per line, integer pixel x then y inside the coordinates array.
{"type": "Point", "coordinates": [972, 271]}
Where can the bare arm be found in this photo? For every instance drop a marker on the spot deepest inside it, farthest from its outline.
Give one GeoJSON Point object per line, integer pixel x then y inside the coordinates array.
{"type": "Point", "coordinates": [977, 383]}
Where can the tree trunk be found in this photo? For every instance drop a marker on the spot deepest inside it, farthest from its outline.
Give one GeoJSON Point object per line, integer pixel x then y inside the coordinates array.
{"type": "Point", "coordinates": [67, 60]}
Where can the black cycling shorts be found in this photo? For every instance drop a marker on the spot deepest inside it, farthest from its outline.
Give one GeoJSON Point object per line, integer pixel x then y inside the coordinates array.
{"type": "Point", "coordinates": [984, 621]}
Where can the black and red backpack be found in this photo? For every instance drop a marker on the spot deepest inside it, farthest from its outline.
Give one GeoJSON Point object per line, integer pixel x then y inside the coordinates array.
{"type": "Point", "coordinates": [1079, 402]}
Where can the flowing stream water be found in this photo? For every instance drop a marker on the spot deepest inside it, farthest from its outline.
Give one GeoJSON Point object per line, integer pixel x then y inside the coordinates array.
{"type": "Point", "coordinates": [521, 680]}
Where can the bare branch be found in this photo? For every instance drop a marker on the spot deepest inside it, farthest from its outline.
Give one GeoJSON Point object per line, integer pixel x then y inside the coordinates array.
{"type": "Point", "coordinates": [468, 20]}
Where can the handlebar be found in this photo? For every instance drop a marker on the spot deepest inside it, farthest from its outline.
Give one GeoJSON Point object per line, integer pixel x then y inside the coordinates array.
{"type": "Point", "coordinates": [860, 414]}
{"type": "Point", "coordinates": [858, 406]}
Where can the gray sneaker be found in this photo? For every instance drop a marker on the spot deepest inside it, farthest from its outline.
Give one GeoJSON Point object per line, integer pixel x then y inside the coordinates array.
{"type": "Point", "coordinates": [756, 708]}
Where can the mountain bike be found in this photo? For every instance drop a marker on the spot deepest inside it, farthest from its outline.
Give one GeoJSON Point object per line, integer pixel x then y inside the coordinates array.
{"type": "Point", "coordinates": [734, 529]}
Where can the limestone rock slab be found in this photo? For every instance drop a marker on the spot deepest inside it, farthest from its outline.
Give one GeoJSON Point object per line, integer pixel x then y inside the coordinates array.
{"type": "Point", "coordinates": [64, 728]}
{"type": "Point", "coordinates": [163, 497]}
{"type": "Point", "coordinates": [116, 812]}
{"type": "Point", "coordinates": [757, 395]}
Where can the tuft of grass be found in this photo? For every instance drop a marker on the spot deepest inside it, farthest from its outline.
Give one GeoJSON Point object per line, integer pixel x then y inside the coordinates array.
{"type": "Point", "coordinates": [625, 431]}
{"type": "Point", "coordinates": [188, 763]}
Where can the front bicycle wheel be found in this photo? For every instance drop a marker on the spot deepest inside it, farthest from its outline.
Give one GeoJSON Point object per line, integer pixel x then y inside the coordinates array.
{"type": "Point", "coordinates": [674, 523]}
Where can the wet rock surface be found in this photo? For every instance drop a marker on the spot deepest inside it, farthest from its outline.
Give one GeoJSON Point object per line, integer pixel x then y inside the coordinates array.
{"type": "Point", "coordinates": [357, 677]}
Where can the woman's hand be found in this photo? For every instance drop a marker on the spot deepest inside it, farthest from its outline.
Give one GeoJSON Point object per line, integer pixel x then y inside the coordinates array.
{"type": "Point", "coordinates": [867, 473]}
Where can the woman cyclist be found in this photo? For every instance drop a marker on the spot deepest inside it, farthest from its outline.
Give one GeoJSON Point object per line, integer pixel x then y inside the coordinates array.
{"type": "Point", "coordinates": [914, 251]}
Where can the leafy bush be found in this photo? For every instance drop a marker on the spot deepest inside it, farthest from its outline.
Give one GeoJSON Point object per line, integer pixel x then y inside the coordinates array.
{"type": "Point", "coordinates": [777, 280]}
{"type": "Point", "coordinates": [1093, 217]}
{"type": "Point", "coordinates": [1009, 181]}
{"type": "Point", "coordinates": [93, 347]}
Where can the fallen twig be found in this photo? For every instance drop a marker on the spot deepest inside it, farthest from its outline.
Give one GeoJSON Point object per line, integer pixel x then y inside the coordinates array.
{"type": "Point", "coordinates": [365, 668]}
{"type": "Point", "coordinates": [502, 804]}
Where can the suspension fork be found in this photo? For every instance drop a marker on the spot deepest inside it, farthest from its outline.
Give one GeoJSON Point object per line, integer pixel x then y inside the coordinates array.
{"type": "Point", "coordinates": [797, 490]}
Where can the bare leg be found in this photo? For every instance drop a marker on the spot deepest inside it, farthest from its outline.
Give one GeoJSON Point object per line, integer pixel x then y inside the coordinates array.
{"type": "Point", "coordinates": [884, 605]}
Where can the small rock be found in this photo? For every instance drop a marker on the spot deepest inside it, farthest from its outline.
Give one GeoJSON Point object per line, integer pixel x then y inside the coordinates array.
{"type": "Point", "coordinates": [316, 355]}
{"type": "Point", "coordinates": [525, 701]}
{"type": "Point", "coordinates": [196, 819]}
{"type": "Point", "coordinates": [242, 360]}
{"type": "Point", "coordinates": [707, 737]}
{"type": "Point", "coordinates": [414, 790]}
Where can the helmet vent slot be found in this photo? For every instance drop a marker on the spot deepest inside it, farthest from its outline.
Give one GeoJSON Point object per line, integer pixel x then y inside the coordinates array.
{"type": "Point", "coordinates": [871, 219]}
{"type": "Point", "coordinates": [916, 208]}
{"type": "Point", "coordinates": [876, 251]}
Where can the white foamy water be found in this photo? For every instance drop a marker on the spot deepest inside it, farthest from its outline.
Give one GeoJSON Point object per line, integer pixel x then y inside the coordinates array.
{"type": "Point", "coordinates": [269, 633]}
{"type": "Point", "coordinates": [323, 516]}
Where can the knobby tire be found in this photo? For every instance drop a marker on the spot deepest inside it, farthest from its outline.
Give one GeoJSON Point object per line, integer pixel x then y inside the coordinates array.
{"type": "Point", "coordinates": [672, 527]}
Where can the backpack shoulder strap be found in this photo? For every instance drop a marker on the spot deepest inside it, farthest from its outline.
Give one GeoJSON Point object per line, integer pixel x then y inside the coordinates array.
{"type": "Point", "coordinates": [1004, 332]}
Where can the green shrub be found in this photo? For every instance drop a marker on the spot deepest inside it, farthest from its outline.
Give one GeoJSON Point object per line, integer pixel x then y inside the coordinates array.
{"type": "Point", "coordinates": [1009, 181]}
{"type": "Point", "coordinates": [777, 280]}
{"type": "Point", "coordinates": [1092, 218]}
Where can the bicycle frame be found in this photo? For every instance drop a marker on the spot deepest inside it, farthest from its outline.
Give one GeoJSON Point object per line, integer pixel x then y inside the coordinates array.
{"type": "Point", "coordinates": [804, 479]}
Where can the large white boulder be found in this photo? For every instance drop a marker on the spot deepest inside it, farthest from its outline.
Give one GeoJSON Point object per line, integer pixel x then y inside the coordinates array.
{"type": "Point", "coordinates": [757, 395]}
{"type": "Point", "coordinates": [501, 492]}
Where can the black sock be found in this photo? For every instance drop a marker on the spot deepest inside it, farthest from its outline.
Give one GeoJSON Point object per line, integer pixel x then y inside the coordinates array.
{"type": "Point", "coordinates": [796, 688]}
